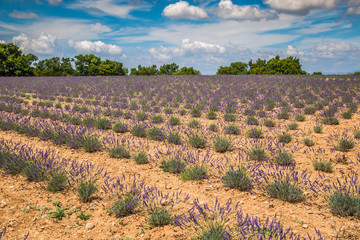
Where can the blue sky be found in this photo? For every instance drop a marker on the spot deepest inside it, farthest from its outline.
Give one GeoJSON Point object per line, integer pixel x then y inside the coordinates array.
{"type": "Point", "coordinates": [324, 34]}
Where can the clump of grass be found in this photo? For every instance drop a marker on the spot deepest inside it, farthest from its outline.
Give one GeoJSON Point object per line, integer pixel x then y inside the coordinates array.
{"type": "Point", "coordinates": [195, 173]}
{"type": "Point", "coordinates": [344, 145]}
{"type": "Point", "coordinates": [174, 138]}
{"type": "Point", "coordinates": [194, 124]}
{"type": "Point", "coordinates": [237, 179]}
{"type": "Point", "coordinates": [138, 131]}
{"type": "Point", "coordinates": [195, 112]}
{"type": "Point", "coordinates": [293, 126]}
{"type": "Point", "coordinates": [300, 118]}
{"type": "Point", "coordinates": [286, 191]}
{"type": "Point", "coordinates": [156, 134]}
{"type": "Point", "coordinates": [173, 121]}
{"type": "Point", "coordinates": [284, 138]}
{"type": "Point", "coordinates": [31, 171]}
{"type": "Point", "coordinates": [232, 129]}
{"type": "Point", "coordinates": [257, 154]}
{"type": "Point", "coordinates": [182, 112]}
{"type": "Point", "coordinates": [284, 158]}
{"type": "Point", "coordinates": [222, 144]}
{"type": "Point", "coordinates": [228, 117]}
{"type": "Point", "coordinates": [318, 129]}
{"type": "Point", "coordinates": [103, 124]}
{"type": "Point", "coordinates": [120, 127]}
{"type": "Point", "coordinates": [269, 123]}
{"type": "Point", "coordinates": [157, 119]}
{"type": "Point", "coordinates": [330, 121]}
{"type": "Point", "coordinates": [215, 231]}
{"type": "Point", "coordinates": [308, 142]}
{"type": "Point", "coordinates": [357, 134]}
{"type": "Point", "coordinates": [211, 115]}
{"type": "Point", "coordinates": [89, 122]}
{"type": "Point", "coordinates": [173, 165]}
{"type": "Point", "coordinates": [125, 205]}
{"type": "Point", "coordinates": [284, 114]}
{"type": "Point", "coordinates": [141, 158]}
{"type": "Point", "coordinates": [254, 133]}
{"type": "Point", "coordinates": [119, 152]}
{"type": "Point", "coordinates": [58, 182]}
{"type": "Point", "coordinates": [213, 127]}
{"type": "Point", "coordinates": [85, 190]}
{"type": "Point", "coordinates": [141, 116]}
{"type": "Point", "coordinates": [347, 115]}
{"type": "Point", "coordinates": [252, 121]}
{"type": "Point", "coordinates": [197, 141]}
{"type": "Point", "coordinates": [160, 217]}
{"type": "Point", "coordinates": [324, 166]}
{"type": "Point", "coordinates": [168, 111]}
{"type": "Point", "coordinates": [344, 204]}
{"type": "Point", "coordinates": [309, 110]}
{"type": "Point", "coordinates": [91, 143]}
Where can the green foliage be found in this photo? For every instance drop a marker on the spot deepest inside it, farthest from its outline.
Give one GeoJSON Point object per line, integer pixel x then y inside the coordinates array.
{"type": "Point", "coordinates": [344, 205]}
{"type": "Point", "coordinates": [157, 119]}
{"type": "Point", "coordinates": [323, 166]}
{"type": "Point", "coordinates": [235, 68]}
{"type": "Point", "coordinates": [344, 145]}
{"type": "Point", "coordinates": [232, 129]}
{"type": "Point", "coordinates": [269, 123]}
{"type": "Point", "coordinates": [151, 70]}
{"type": "Point", "coordinates": [308, 142]}
{"type": "Point", "coordinates": [54, 67]}
{"type": "Point", "coordinates": [254, 133]}
{"type": "Point", "coordinates": [141, 116]}
{"type": "Point", "coordinates": [173, 165]}
{"type": "Point", "coordinates": [141, 158]}
{"type": "Point", "coordinates": [195, 112]}
{"type": "Point", "coordinates": [318, 129]}
{"type": "Point", "coordinates": [286, 191]}
{"type": "Point", "coordinates": [284, 138]}
{"type": "Point", "coordinates": [330, 121]}
{"type": "Point", "coordinates": [138, 131]}
{"type": "Point", "coordinates": [309, 110]}
{"type": "Point", "coordinates": [222, 144]}
{"type": "Point", "coordinates": [59, 214]}
{"type": "Point", "coordinates": [197, 141]}
{"type": "Point", "coordinates": [211, 115]}
{"type": "Point", "coordinates": [237, 179]}
{"type": "Point", "coordinates": [168, 69]}
{"type": "Point", "coordinates": [83, 216]}
{"type": "Point", "coordinates": [195, 173]}
{"type": "Point", "coordinates": [257, 154]}
{"type": "Point", "coordinates": [173, 121]}
{"type": "Point", "coordinates": [156, 134]}
{"type": "Point", "coordinates": [91, 143]}
{"type": "Point", "coordinates": [103, 123]}
{"type": "Point", "coordinates": [174, 138]}
{"type": "Point", "coordinates": [252, 121]}
{"type": "Point", "coordinates": [228, 117]}
{"type": "Point", "coordinates": [85, 190]}
{"type": "Point", "coordinates": [58, 182]}
{"type": "Point", "coordinates": [14, 63]}
{"type": "Point", "coordinates": [120, 127]}
{"type": "Point", "coordinates": [214, 232]}
{"type": "Point", "coordinates": [119, 152]}
{"type": "Point", "coordinates": [194, 124]}
{"type": "Point", "coordinates": [188, 71]}
{"type": "Point", "coordinates": [357, 134]}
{"type": "Point", "coordinates": [213, 127]}
{"type": "Point", "coordinates": [347, 115]}
{"type": "Point", "coordinates": [300, 118]}
{"type": "Point", "coordinates": [124, 206]}
{"type": "Point", "coordinates": [284, 158]}
{"type": "Point", "coordinates": [289, 65]}
{"type": "Point", "coordinates": [293, 126]}
{"type": "Point", "coordinates": [160, 217]}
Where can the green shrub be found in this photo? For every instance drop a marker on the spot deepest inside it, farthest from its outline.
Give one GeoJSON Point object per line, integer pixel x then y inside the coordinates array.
{"type": "Point", "coordinates": [222, 144]}
{"type": "Point", "coordinates": [168, 111]}
{"type": "Point", "coordinates": [269, 123]}
{"type": "Point", "coordinates": [120, 127]}
{"type": "Point", "coordinates": [91, 143]}
{"type": "Point", "coordinates": [89, 122]}
{"type": "Point", "coordinates": [257, 154]}
{"type": "Point", "coordinates": [344, 145]}
{"type": "Point", "coordinates": [232, 130]}
{"type": "Point", "coordinates": [323, 166]}
{"type": "Point", "coordinates": [103, 123]}
{"type": "Point", "coordinates": [213, 127]}
{"type": "Point", "coordinates": [252, 121]}
{"type": "Point", "coordinates": [254, 133]}
{"type": "Point", "coordinates": [347, 115]}
{"type": "Point", "coordinates": [344, 205]}
{"type": "Point", "coordinates": [141, 158]}
{"type": "Point", "coordinates": [119, 152]}
{"type": "Point", "coordinates": [182, 112]}
{"type": "Point", "coordinates": [173, 121]}
{"type": "Point", "coordinates": [284, 158]}
{"type": "Point", "coordinates": [284, 138]}
{"type": "Point", "coordinates": [194, 124]}
{"type": "Point", "coordinates": [197, 141]}
{"type": "Point", "coordinates": [85, 190]}
{"type": "Point", "coordinates": [284, 114]}
{"type": "Point", "coordinates": [300, 118]}
{"type": "Point", "coordinates": [228, 117]}
{"type": "Point", "coordinates": [237, 179]}
{"type": "Point", "coordinates": [308, 142]}
{"type": "Point", "coordinates": [174, 138]}
{"type": "Point", "coordinates": [156, 134]}
{"type": "Point", "coordinates": [195, 112]}
{"type": "Point", "coordinates": [215, 231]}
{"type": "Point", "coordinates": [138, 131]}
{"type": "Point", "coordinates": [330, 121]}
{"type": "Point", "coordinates": [141, 116]}
{"type": "Point", "coordinates": [58, 182]}
{"type": "Point", "coordinates": [211, 115]}
{"type": "Point", "coordinates": [195, 173]}
{"type": "Point", "coordinates": [157, 119]}
{"type": "Point", "coordinates": [318, 129]}
{"type": "Point", "coordinates": [124, 206]}
{"type": "Point", "coordinates": [357, 134]}
{"type": "Point", "coordinates": [173, 165]}
{"type": "Point", "coordinates": [286, 191]}
{"type": "Point", "coordinates": [160, 217]}
{"type": "Point", "coordinates": [309, 110]}
{"type": "Point", "coordinates": [293, 126]}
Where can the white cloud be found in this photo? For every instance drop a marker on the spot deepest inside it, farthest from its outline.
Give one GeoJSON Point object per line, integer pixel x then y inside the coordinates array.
{"type": "Point", "coordinates": [327, 49]}
{"type": "Point", "coordinates": [182, 10]}
{"type": "Point", "coordinates": [199, 46]}
{"type": "Point", "coordinates": [54, 2]}
{"type": "Point", "coordinates": [106, 7]}
{"type": "Point", "coordinates": [228, 10]}
{"type": "Point", "coordinates": [2, 41]}
{"type": "Point", "coordinates": [98, 27]}
{"type": "Point", "coordinates": [301, 6]}
{"type": "Point", "coordinates": [292, 51]}
{"type": "Point", "coordinates": [94, 47]}
{"type": "Point", "coordinates": [43, 45]}
{"type": "Point", "coordinates": [354, 7]}
{"type": "Point", "coordinates": [23, 15]}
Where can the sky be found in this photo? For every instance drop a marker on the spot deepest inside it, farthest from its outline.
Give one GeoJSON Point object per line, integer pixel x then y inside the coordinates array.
{"type": "Point", "coordinates": [204, 34]}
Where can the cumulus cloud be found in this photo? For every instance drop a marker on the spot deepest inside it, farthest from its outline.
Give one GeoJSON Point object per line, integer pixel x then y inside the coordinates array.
{"type": "Point", "coordinates": [23, 15]}
{"type": "Point", "coordinates": [43, 45]}
{"type": "Point", "coordinates": [228, 10]}
{"type": "Point", "coordinates": [292, 51]}
{"type": "Point", "coordinates": [354, 7]}
{"type": "Point", "coordinates": [327, 49]}
{"type": "Point", "coordinates": [2, 41]}
{"type": "Point", "coordinates": [94, 47]}
{"type": "Point", "coordinates": [301, 6]}
{"type": "Point", "coordinates": [182, 10]}
{"type": "Point", "coordinates": [54, 2]}
{"type": "Point", "coordinates": [99, 28]}
{"type": "Point", "coordinates": [199, 46]}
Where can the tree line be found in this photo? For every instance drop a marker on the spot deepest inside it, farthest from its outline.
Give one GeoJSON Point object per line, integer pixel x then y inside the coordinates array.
{"type": "Point", "coordinates": [14, 63]}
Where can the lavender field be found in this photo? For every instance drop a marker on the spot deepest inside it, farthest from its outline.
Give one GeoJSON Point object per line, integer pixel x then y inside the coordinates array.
{"type": "Point", "coordinates": [180, 157]}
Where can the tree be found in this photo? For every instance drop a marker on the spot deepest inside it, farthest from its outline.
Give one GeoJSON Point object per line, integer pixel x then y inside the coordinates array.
{"type": "Point", "coordinates": [88, 64]}
{"type": "Point", "coordinates": [112, 68]}
{"type": "Point", "coordinates": [188, 71]}
{"type": "Point", "coordinates": [152, 70]}
{"type": "Point", "coordinates": [235, 68]}
{"type": "Point", "coordinates": [259, 67]}
{"type": "Point", "coordinates": [14, 63]}
{"type": "Point", "coordinates": [54, 67]}
{"type": "Point", "coordinates": [289, 65]}
{"type": "Point", "coordinates": [168, 69]}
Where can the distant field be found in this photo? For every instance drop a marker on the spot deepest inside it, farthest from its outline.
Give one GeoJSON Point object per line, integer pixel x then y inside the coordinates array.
{"type": "Point", "coordinates": [180, 157]}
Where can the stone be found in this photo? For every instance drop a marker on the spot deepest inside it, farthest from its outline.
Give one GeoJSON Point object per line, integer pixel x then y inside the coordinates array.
{"type": "Point", "coordinates": [305, 226]}
{"type": "Point", "coordinates": [90, 225]}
